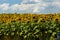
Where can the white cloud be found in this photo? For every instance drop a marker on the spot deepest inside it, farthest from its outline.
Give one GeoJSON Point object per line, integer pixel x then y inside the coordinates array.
{"type": "Point", "coordinates": [15, 7]}
{"type": "Point", "coordinates": [28, 1]}
{"type": "Point", "coordinates": [56, 0]}
{"type": "Point", "coordinates": [4, 6]}
{"type": "Point", "coordinates": [36, 9]}
{"type": "Point", "coordinates": [22, 7]}
{"type": "Point", "coordinates": [33, 6]}
{"type": "Point", "coordinates": [56, 3]}
{"type": "Point", "coordinates": [36, 0]}
{"type": "Point", "coordinates": [28, 7]}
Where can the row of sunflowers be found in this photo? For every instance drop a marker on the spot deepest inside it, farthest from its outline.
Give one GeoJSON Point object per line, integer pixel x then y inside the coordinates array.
{"type": "Point", "coordinates": [6, 18]}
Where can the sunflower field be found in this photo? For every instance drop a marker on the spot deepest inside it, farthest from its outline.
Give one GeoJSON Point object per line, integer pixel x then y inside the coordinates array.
{"type": "Point", "coordinates": [29, 26]}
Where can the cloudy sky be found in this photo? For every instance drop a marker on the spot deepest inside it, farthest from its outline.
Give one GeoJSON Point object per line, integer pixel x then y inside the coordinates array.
{"type": "Point", "coordinates": [29, 6]}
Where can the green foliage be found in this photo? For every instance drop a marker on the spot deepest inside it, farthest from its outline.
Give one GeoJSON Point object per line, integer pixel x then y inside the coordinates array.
{"type": "Point", "coordinates": [30, 31]}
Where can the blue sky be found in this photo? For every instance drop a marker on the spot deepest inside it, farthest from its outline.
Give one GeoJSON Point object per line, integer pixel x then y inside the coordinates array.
{"type": "Point", "coordinates": [10, 1]}
{"type": "Point", "coordinates": [29, 6]}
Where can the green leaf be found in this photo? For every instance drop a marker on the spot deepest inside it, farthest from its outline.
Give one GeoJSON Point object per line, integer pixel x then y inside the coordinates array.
{"type": "Point", "coordinates": [25, 36]}
{"type": "Point", "coordinates": [29, 34]}
{"type": "Point", "coordinates": [21, 33]}
{"type": "Point", "coordinates": [13, 29]}
{"type": "Point", "coordinates": [12, 33]}
{"type": "Point", "coordinates": [36, 31]}
{"type": "Point", "coordinates": [50, 31]}
{"type": "Point", "coordinates": [35, 27]}
{"type": "Point", "coordinates": [7, 34]}
{"type": "Point", "coordinates": [53, 33]}
{"type": "Point", "coordinates": [26, 31]}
